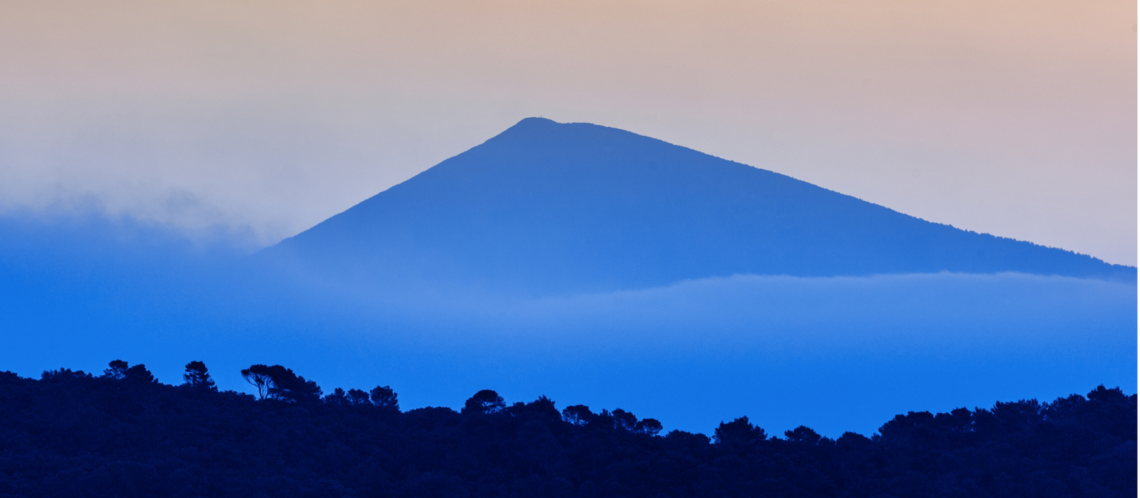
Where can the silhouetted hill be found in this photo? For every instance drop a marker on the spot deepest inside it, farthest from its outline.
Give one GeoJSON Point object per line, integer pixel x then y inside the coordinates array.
{"type": "Point", "coordinates": [549, 208]}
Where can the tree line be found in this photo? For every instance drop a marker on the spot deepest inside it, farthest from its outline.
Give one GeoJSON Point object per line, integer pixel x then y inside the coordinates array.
{"type": "Point", "coordinates": [122, 433]}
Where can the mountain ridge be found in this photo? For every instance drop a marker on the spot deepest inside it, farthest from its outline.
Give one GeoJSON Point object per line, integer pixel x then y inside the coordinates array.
{"type": "Point", "coordinates": [552, 208]}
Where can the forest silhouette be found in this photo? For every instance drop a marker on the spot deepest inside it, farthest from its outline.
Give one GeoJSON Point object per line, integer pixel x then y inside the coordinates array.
{"type": "Point", "coordinates": [122, 433]}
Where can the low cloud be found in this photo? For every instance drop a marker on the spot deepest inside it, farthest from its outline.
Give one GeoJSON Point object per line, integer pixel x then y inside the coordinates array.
{"type": "Point", "coordinates": [835, 354]}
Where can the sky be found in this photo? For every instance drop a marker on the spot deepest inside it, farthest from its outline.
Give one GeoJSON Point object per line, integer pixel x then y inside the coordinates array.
{"type": "Point", "coordinates": [261, 118]}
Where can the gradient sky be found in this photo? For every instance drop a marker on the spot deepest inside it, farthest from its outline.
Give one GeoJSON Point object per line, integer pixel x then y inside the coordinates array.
{"type": "Point", "coordinates": [1012, 117]}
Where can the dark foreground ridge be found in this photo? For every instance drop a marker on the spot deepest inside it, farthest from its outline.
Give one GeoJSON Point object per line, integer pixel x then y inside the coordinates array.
{"type": "Point", "coordinates": [548, 208]}
{"type": "Point", "coordinates": [124, 434]}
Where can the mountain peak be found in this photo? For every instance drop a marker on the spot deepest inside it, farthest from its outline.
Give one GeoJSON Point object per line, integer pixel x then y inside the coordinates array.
{"type": "Point", "coordinates": [528, 127]}
{"type": "Point", "coordinates": [535, 121]}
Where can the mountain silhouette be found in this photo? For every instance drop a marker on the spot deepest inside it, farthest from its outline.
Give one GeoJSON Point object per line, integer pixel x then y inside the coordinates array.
{"type": "Point", "coordinates": [546, 208]}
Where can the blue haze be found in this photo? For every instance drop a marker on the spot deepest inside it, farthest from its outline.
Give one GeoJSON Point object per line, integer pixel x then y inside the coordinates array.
{"type": "Point", "coordinates": [605, 287]}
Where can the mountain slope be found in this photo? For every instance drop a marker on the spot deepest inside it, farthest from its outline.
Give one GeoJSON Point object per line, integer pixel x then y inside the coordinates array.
{"type": "Point", "coordinates": [547, 208]}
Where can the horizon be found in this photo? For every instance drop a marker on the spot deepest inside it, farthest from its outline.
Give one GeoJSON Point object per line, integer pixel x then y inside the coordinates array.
{"type": "Point", "coordinates": [806, 213]}
{"type": "Point", "coordinates": [609, 310]}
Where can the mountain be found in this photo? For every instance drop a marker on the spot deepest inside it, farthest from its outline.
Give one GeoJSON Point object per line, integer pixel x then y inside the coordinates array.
{"type": "Point", "coordinates": [546, 208]}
